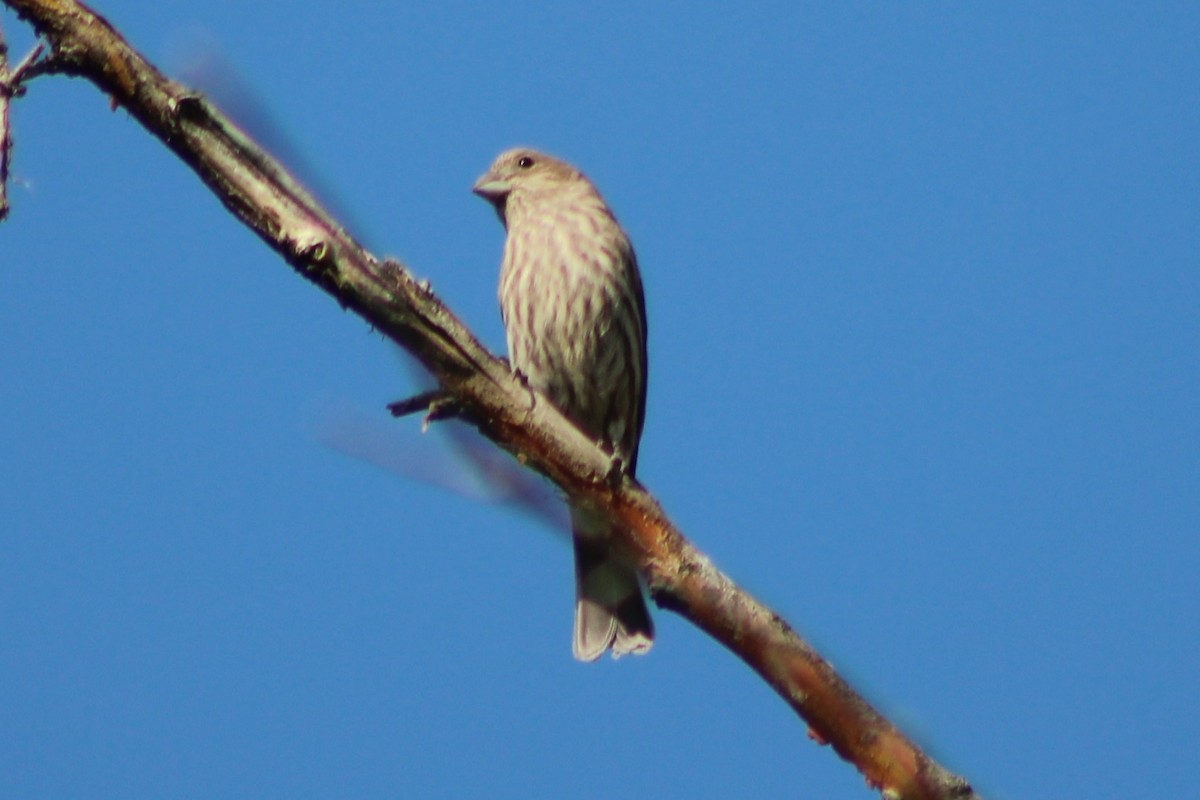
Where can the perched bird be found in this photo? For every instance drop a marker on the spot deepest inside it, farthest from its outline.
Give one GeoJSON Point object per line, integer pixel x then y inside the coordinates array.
{"type": "Point", "coordinates": [575, 319]}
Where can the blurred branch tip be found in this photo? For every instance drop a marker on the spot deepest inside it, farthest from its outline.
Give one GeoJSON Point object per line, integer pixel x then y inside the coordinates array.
{"type": "Point", "coordinates": [479, 388]}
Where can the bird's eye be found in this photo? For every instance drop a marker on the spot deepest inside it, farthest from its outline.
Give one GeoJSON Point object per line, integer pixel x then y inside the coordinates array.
{"type": "Point", "coordinates": [524, 162]}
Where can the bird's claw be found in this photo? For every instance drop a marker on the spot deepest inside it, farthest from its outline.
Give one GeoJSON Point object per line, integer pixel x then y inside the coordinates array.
{"type": "Point", "coordinates": [616, 472]}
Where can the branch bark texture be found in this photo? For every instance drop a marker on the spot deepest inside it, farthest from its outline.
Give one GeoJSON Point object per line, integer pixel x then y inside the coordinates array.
{"type": "Point", "coordinates": [280, 211]}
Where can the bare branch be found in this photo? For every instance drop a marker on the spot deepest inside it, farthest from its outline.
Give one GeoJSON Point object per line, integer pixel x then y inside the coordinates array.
{"type": "Point", "coordinates": [486, 394]}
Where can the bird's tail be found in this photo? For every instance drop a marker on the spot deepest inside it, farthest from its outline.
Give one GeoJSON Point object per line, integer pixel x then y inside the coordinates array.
{"type": "Point", "coordinates": [610, 611]}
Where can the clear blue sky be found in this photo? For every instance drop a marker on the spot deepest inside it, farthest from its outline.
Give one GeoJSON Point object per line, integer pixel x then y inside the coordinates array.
{"type": "Point", "coordinates": [923, 286]}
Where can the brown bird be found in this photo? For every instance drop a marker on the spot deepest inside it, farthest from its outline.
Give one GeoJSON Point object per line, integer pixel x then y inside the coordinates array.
{"type": "Point", "coordinates": [575, 318]}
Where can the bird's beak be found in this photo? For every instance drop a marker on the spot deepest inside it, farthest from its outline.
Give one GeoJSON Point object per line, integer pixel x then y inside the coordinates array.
{"type": "Point", "coordinates": [492, 188]}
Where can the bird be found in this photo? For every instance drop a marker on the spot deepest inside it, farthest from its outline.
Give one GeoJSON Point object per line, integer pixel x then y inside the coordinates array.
{"type": "Point", "coordinates": [575, 323]}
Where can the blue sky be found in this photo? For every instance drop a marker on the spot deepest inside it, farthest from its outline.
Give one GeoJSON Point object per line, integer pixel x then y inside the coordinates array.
{"type": "Point", "coordinates": [922, 285]}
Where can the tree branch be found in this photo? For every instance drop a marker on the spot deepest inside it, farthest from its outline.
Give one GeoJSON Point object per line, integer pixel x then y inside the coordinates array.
{"type": "Point", "coordinates": [484, 392]}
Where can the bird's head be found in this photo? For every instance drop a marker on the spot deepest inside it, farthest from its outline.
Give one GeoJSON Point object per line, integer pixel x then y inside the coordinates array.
{"type": "Point", "coordinates": [524, 174]}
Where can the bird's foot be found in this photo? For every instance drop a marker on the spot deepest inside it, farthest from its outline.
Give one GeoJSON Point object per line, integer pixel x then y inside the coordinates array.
{"type": "Point", "coordinates": [616, 471]}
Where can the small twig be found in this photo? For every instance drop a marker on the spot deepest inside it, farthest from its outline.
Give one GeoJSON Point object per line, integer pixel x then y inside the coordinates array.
{"type": "Point", "coordinates": [17, 77]}
{"type": "Point", "coordinates": [437, 403]}
{"type": "Point", "coordinates": [5, 136]}
{"type": "Point", "coordinates": [11, 85]}
{"type": "Point", "coordinates": [421, 402]}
